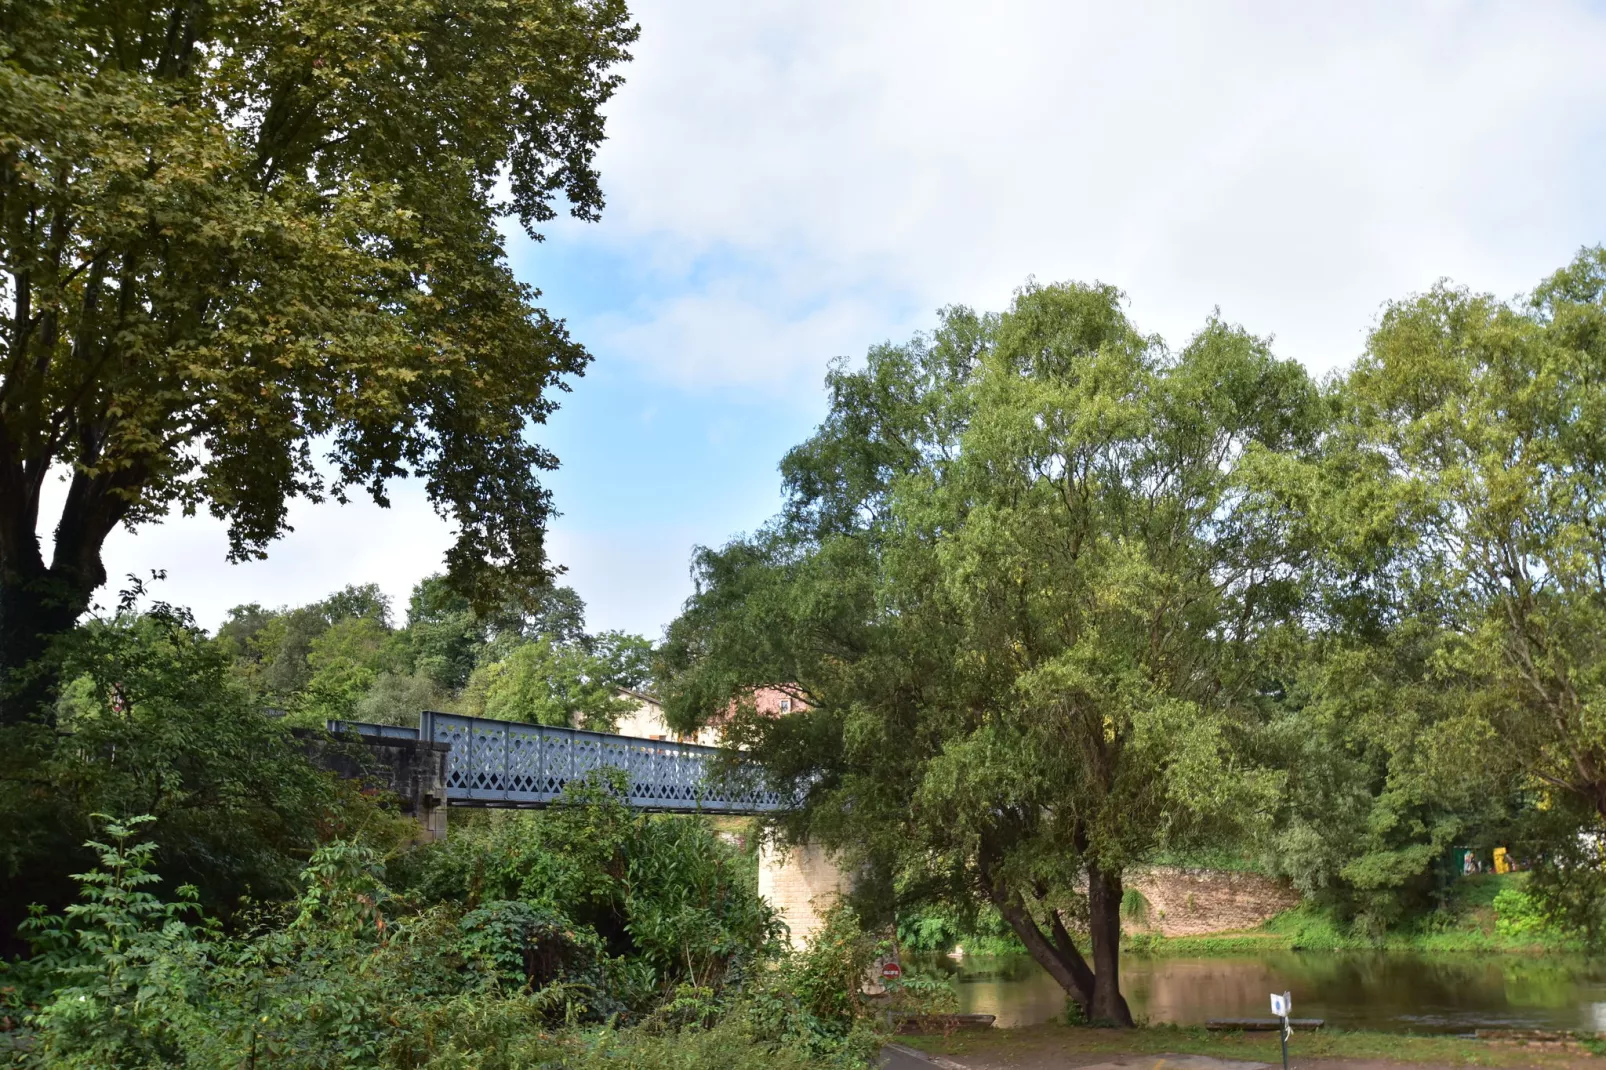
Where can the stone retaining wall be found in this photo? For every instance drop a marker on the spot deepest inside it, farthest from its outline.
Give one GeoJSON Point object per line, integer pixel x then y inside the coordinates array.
{"type": "Point", "coordinates": [1191, 902]}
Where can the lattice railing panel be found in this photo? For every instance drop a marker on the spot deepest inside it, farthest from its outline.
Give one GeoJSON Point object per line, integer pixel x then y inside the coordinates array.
{"type": "Point", "coordinates": [505, 763]}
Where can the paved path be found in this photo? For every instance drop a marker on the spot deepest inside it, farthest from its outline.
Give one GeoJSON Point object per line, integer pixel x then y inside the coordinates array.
{"type": "Point", "coordinates": [898, 1057]}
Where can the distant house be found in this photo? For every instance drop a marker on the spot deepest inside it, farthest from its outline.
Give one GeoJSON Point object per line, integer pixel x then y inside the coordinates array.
{"type": "Point", "coordinates": [775, 701]}
{"type": "Point", "coordinates": [646, 720]}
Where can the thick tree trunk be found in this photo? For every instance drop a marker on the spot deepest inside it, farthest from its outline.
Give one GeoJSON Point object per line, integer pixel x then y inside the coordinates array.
{"type": "Point", "coordinates": [1068, 951]}
{"type": "Point", "coordinates": [1070, 971]}
{"type": "Point", "coordinates": [38, 603]}
{"type": "Point", "coordinates": [1104, 922]}
{"type": "Point", "coordinates": [34, 611]}
{"type": "Point", "coordinates": [1055, 952]}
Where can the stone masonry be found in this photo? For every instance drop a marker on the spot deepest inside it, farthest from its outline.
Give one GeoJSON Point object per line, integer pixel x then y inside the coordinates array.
{"type": "Point", "coordinates": [414, 770]}
{"type": "Point", "coordinates": [1190, 902]}
{"type": "Point", "coordinates": [802, 884]}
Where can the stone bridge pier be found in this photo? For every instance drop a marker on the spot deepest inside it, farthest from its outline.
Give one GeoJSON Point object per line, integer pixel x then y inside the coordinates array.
{"type": "Point", "coordinates": [802, 883]}
{"type": "Point", "coordinates": [414, 769]}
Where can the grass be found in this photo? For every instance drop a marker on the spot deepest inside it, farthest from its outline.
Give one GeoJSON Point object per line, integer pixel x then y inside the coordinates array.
{"type": "Point", "coordinates": [1031, 1045]}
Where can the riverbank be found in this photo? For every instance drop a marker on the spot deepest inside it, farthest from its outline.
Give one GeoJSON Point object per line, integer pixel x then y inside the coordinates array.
{"type": "Point", "coordinates": [1054, 1046]}
{"type": "Point", "coordinates": [1486, 913]}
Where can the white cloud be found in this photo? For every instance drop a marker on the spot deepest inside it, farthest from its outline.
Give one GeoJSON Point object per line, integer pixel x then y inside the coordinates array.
{"type": "Point", "coordinates": [791, 180]}
{"type": "Point", "coordinates": [331, 546]}
{"type": "Point", "coordinates": [1296, 164]}
{"type": "Point", "coordinates": [632, 579]}
{"type": "Point", "coordinates": [740, 331]}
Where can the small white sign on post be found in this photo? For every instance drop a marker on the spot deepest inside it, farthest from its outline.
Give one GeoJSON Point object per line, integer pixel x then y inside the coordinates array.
{"type": "Point", "coordinates": [1280, 1006]}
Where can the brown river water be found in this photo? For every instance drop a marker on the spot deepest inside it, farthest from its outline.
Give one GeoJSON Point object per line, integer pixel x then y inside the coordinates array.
{"type": "Point", "coordinates": [1397, 992]}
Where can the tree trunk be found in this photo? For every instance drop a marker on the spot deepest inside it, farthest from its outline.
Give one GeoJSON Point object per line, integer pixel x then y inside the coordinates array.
{"type": "Point", "coordinates": [1104, 922]}
{"type": "Point", "coordinates": [1072, 973]}
{"type": "Point", "coordinates": [34, 610]}
{"type": "Point", "coordinates": [38, 604]}
{"type": "Point", "coordinates": [1068, 951]}
{"type": "Point", "coordinates": [1058, 956]}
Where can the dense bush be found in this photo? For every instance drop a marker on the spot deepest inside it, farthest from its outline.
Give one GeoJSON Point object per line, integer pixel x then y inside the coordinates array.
{"type": "Point", "coordinates": [152, 720]}
{"type": "Point", "coordinates": [664, 894]}
{"type": "Point", "coordinates": [264, 913]}
{"type": "Point", "coordinates": [356, 973]}
{"type": "Point", "coordinates": [936, 927]}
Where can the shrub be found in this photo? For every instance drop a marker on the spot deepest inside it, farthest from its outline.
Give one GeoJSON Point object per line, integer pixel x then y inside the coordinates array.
{"type": "Point", "coordinates": [1517, 913]}
{"type": "Point", "coordinates": [1135, 906]}
{"type": "Point", "coordinates": [356, 974]}
{"type": "Point", "coordinates": [125, 966]}
{"type": "Point", "coordinates": [664, 894]}
{"type": "Point", "coordinates": [152, 721]}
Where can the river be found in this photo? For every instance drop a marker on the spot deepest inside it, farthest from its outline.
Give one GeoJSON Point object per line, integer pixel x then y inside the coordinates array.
{"type": "Point", "coordinates": [1397, 992]}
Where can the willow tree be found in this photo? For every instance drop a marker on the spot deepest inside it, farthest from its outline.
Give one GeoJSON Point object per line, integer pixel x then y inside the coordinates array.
{"type": "Point", "coordinates": [1481, 422]}
{"type": "Point", "coordinates": [1020, 581]}
{"type": "Point", "coordinates": [249, 252]}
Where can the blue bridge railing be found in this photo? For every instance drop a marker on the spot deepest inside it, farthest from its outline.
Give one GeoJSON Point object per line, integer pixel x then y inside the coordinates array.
{"type": "Point", "coordinates": [512, 764]}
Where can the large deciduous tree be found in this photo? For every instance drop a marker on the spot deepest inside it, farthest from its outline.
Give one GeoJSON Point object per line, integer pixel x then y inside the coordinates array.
{"type": "Point", "coordinates": [1021, 580]}
{"type": "Point", "coordinates": [236, 234]}
{"type": "Point", "coordinates": [1481, 422]}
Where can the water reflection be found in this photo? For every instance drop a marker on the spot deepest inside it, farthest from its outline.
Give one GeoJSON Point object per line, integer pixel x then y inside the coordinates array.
{"type": "Point", "coordinates": [1390, 991]}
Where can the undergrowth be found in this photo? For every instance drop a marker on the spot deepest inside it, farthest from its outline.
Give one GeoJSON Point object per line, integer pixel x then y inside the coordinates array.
{"type": "Point", "coordinates": [358, 973]}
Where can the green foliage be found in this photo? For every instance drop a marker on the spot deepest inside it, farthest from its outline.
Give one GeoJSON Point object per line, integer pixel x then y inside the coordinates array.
{"type": "Point", "coordinates": [544, 683]}
{"type": "Point", "coordinates": [1024, 579]}
{"type": "Point", "coordinates": [154, 723]}
{"type": "Point", "coordinates": [939, 927]}
{"type": "Point", "coordinates": [124, 963]}
{"type": "Point", "coordinates": [1477, 421]}
{"type": "Point", "coordinates": [812, 1002]}
{"type": "Point", "coordinates": [443, 632]}
{"type": "Point", "coordinates": [1569, 883]}
{"type": "Point", "coordinates": [1073, 1014]}
{"type": "Point", "coordinates": [827, 975]}
{"type": "Point", "coordinates": [340, 658]}
{"type": "Point", "coordinates": [664, 893]}
{"type": "Point", "coordinates": [1485, 913]}
{"type": "Point", "coordinates": [237, 232]}
{"type": "Point", "coordinates": [1061, 599]}
{"type": "Point", "coordinates": [1518, 914]}
{"type": "Point", "coordinates": [628, 658]}
{"type": "Point", "coordinates": [1135, 907]}
{"type": "Point", "coordinates": [397, 699]}
{"type": "Point", "coordinates": [356, 974]}
{"type": "Point", "coordinates": [319, 659]}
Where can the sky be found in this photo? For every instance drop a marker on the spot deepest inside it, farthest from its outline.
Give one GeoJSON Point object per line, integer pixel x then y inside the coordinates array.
{"type": "Point", "coordinates": [790, 182]}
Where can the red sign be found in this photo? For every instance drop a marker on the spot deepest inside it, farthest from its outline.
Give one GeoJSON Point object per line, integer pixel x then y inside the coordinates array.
{"type": "Point", "coordinates": [891, 971]}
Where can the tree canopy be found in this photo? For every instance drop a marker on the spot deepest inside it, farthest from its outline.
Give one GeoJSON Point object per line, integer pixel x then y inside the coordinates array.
{"type": "Point", "coordinates": [250, 252]}
{"type": "Point", "coordinates": [342, 657]}
{"type": "Point", "coordinates": [1481, 420]}
{"type": "Point", "coordinates": [1024, 575]}
{"type": "Point", "coordinates": [1062, 600]}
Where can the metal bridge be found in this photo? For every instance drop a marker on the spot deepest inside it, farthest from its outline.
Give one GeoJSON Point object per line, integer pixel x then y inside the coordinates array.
{"type": "Point", "coordinates": [512, 764]}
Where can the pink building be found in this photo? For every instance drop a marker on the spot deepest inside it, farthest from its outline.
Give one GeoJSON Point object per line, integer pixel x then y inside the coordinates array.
{"type": "Point", "coordinates": [647, 720]}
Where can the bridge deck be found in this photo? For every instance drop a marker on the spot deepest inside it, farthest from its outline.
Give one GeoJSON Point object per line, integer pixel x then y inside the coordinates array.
{"type": "Point", "coordinates": [511, 764]}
